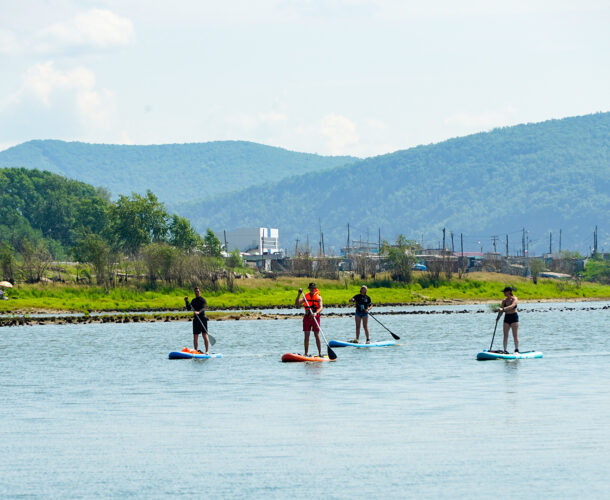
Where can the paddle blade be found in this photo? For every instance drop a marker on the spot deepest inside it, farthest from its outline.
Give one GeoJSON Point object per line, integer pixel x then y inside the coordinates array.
{"type": "Point", "coordinates": [331, 353]}
{"type": "Point", "coordinates": [212, 339]}
{"type": "Point", "coordinates": [396, 337]}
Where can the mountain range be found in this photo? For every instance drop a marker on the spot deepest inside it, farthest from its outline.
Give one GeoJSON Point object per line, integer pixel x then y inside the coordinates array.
{"type": "Point", "coordinates": [543, 178]}
{"type": "Point", "coordinates": [174, 172]}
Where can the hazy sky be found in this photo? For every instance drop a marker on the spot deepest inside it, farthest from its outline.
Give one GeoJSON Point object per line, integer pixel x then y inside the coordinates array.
{"type": "Point", "coordinates": [360, 77]}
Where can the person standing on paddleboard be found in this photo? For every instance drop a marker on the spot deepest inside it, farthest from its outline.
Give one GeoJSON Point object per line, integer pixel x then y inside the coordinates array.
{"type": "Point", "coordinates": [511, 317]}
{"type": "Point", "coordinates": [200, 322]}
{"type": "Point", "coordinates": [312, 302]}
{"type": "Point", "coordinates": [363, 306]}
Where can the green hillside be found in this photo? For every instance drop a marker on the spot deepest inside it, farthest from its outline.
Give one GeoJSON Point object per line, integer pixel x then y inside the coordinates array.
{"type": "Point", "coordinates": [542, 177]}
{"type": "Point", "coordinates": [174, 172]}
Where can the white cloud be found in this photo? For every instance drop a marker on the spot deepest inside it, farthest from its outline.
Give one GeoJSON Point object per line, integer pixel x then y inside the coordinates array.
{"type": "Point", "coordinates": [62, 101]}
{"type": "Point", "coordinates": [340, 133]}
{"type": "Point", "coordinates": [95, 29]}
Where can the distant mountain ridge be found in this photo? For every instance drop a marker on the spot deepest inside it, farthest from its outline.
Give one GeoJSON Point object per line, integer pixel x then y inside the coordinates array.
{"type": "Point", "coordinates": [174, 172]}
{"type": "Point", "coordinates": [542, 177]}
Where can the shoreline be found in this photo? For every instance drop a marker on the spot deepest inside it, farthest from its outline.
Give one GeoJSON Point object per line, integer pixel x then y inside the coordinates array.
{"type": "Point", "coordinates": [46, 317]}
{"type": "Point", "coordinates": [246, 309]}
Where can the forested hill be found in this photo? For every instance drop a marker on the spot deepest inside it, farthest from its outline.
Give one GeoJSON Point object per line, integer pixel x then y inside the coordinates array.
{"type": "Point", "coordinates": [174, 172]}
{"type": "Point", "coordinates": [542, 177]}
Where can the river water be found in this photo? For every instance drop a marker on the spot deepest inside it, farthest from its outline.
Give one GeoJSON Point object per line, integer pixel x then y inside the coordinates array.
{"type": "Point", "coordinates": [99, 411]}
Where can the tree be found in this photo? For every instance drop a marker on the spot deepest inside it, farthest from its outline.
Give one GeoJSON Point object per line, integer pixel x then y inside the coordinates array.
{"type": "Point", "coordinates": [211, 244]}
{"type": "Point", "coordinates": [94, 250]}
{"type": "Point", "coordinates": [401, 258]}
{"type": "Point", "coordinates": [536, 267]}
{"type": "Point", "coordinates": [160, 259]}
{"type": "Point", "coordinates": [36, 260]}
{"type": "Point", "coordinates": [234, 260]}
{"type": "Point", "coordinates": [7, 262]}
{"type": "Point", "coordinates": [136, 221]}
{"type": "Point", "coordinates": [182, 234]}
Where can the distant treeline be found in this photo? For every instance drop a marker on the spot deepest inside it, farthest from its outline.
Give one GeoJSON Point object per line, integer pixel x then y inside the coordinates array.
{"type": "Point", "coordinates": [45, 217]}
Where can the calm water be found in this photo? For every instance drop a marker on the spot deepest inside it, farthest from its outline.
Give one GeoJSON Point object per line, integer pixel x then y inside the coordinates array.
{"type": "Point", "coordinates": [99, 410]}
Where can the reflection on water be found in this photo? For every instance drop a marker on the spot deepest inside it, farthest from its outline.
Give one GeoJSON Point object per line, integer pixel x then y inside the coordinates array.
{"type": "Point", "coordinates": [99, 410]}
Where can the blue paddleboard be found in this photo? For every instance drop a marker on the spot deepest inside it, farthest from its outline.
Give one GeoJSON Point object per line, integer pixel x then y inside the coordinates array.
{"type": "Point", "coordinates": [485, 355]}
{"type": "Point", "coordinates": [191, 354]}
{"type": "Point", "coordinates": [340, 343]}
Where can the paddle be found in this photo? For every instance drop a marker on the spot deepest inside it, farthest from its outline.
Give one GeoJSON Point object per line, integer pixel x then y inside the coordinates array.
{"type": "Point", "coordinates": [391, 333]}
{"type": "Point", "coordinates": [331, 353]}
{"type": "Point", "coordinates": [212, 339]}
{"type": "Point", "coordinates": [494, 335]}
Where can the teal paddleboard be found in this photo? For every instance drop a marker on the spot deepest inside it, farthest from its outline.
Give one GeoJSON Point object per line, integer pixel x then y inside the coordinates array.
{"type": "Point", "coordinates": [487, 355]}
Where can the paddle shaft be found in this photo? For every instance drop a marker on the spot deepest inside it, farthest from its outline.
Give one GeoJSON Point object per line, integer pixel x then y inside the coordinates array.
{"type": "Point", "coordinates": [396, 337]}
{"type": "Point", "coordinates": [331, 353]}
{"type": "Point", "coordinates": [494, 335]}
{"type": "Point", "coordinates": [212, 339]}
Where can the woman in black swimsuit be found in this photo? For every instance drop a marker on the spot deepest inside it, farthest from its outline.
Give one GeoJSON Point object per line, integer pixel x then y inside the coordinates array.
{"type": "Point", "coordinates": [511, 317]}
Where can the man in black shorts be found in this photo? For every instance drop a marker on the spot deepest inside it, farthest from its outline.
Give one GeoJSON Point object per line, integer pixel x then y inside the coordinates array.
{"type": "Point", "coordinates": [200, 322]}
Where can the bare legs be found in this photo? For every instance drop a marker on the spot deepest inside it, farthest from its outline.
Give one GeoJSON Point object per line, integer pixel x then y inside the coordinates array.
{"type": "Point", "coordinates": [318, 343]}
{"type": "Point", "coordinates": [365, 324]}
{"type": "Point", "coordinates": [205, 340]}
{"type": "Point", "coordinates": [515, 328]}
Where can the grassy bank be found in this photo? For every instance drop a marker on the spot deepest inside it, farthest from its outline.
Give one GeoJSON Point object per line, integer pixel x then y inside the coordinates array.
{"type": "Point", "coordinates": [475, 287]}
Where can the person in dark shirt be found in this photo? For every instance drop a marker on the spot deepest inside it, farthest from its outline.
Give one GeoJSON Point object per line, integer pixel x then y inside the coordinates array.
{"type": "Point", "coordinates": [511, 317]}
{"type": "Point", "coordinates": [200, 322]}
{"type": "Point", "coordinates": [363, 306]}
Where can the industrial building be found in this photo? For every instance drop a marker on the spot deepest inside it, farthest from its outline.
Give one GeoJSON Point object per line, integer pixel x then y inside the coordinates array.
{"type": "Point", "coordinates": [253, 240]}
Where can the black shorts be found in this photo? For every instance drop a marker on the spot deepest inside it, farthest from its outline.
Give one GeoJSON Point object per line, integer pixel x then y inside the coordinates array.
{"type": "Point", "coordinates": [197, 328]}
{"type": "Point", "coordinates": [511, 318]}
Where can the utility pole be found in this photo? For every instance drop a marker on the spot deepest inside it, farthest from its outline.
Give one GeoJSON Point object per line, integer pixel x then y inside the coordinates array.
{"type": "Point", "coordinates": [323, 248]}
{"type": "Point", "coordinates": [462, 244]}
{"type": "Point", "coordinates": [595, 241]}
{"type": "Point", "coordinates": [348, 249]}
{"type": "Point", "coordinates": [226, 247]}
{"type": "Point", "coordinates": [523, 243]}
{"type": "Point", "coordinates": [443, 239]}
{"type": "Point", "coordinates": [452, 247]}
{"type": "Point", "coordinates": [494, 239]}
{"type": "Point", "coordinates": [550, 242]}
{"type": "Point", "coordinates": [379, 241]}
{"type": "Point", "coordinates": [320, 242]}
{"type": "Point", "coordinates": [296, 248]}
{"type": "Point", "coordinates": [507, 246]}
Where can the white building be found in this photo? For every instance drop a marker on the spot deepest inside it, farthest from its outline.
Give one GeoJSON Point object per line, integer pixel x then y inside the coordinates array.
{"type": "Point", "coordinates": [253, 240]}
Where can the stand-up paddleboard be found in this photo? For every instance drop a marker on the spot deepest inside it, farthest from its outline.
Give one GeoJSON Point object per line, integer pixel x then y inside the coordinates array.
{"type": "Point", "coordinates": [485, 355]}
{"type": "Point", "coordinates": [187, 353]}
{"type": "Point", "coordinates": [291, 357]}
{"type": "Point", "coordinates": [341, 343]}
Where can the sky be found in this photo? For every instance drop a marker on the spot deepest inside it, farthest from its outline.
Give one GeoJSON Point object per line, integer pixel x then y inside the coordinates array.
{"type": "Point", "coordinates": [357, 77]}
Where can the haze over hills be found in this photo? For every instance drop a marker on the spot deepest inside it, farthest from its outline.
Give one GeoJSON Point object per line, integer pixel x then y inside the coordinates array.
{"type": "Point", "coordinates": [542, 177]}
{"type": "Point", "coordinates": [174, 172]}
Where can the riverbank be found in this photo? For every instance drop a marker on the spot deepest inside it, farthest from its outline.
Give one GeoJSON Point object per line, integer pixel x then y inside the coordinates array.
{"type": "Point", "coordinates": [157, 317]}
{"type": "Point", "coordinates": [280, 293]}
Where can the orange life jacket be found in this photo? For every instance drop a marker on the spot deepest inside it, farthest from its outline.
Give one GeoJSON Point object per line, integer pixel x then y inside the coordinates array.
{"type": "Point", "coordinates": [314, 302]}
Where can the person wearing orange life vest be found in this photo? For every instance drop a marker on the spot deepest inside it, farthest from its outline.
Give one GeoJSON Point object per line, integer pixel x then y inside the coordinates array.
{"type": "Point", "coordinates": [312, 302]}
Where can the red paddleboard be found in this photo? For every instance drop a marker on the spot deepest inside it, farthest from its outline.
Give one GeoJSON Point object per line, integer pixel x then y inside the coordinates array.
{"type": "Point", "coordinates": [291, 357]}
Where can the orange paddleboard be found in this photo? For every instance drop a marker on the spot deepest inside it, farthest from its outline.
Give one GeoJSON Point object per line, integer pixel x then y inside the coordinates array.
{"type": "Point", "coordinates": [291, 357]}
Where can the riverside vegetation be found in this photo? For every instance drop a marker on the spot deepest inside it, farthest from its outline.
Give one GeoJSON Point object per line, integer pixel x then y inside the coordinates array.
{"type": "Point", "coordinates": [280, 292]}
{"type": "Point", "coordinates": [132, 255]}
